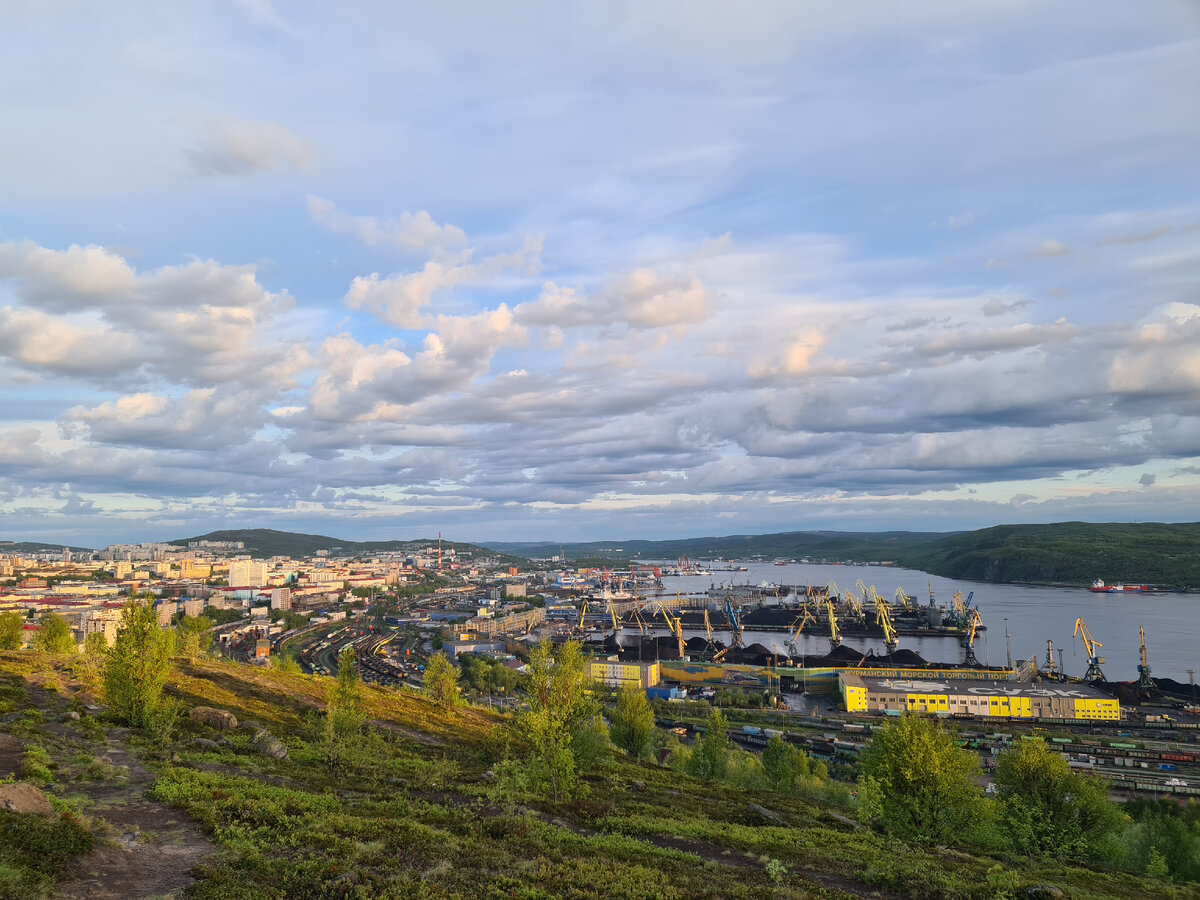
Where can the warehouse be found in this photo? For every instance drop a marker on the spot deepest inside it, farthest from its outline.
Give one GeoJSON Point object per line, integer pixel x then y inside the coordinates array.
{"type": "Point", "coordinates": [891, 696]}
{"type": "Point", "coordinates": [612, 672]}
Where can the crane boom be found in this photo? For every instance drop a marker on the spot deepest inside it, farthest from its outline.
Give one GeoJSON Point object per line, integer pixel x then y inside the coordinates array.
{"type": "Point", "coordinates": [1094, 672]}
{"type": "Point", "coordinates": [835, 636]}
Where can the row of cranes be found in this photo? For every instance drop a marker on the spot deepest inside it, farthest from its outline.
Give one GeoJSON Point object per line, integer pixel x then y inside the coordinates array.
{"type": "Point", "coordinates": [863, 605]}
{"type": "Point", "coordinates": [1145, 684]}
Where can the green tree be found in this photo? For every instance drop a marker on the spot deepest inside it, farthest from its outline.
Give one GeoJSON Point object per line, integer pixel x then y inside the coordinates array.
{"type": "Point", "coordinates": [12, 630]}
{"type": "Point", "coordinates": [632, 721]}
{"type": "Point", "coordinates": [53, 634]}
{"type": "Point", "coordinates": [344, 716]}
{"type": "Point", "coordinates": [441, 681]}
{"type": "Point", "coordinates": [785, 765]}
{"type": "Point", "coordinates": [194, 637]}
{"type": "Point", "coordinates": [137, 666]}
{"type": "Point", "coordinates": [710, 758]}
{"type": "Point", "coordinates": [89, 668]}
{"type": "Point", "coordinates": [561, 721]}
{"type": "Point", "coordinates": [1046, 808]}
{"type": "Point", "coordinates": [925, 780]}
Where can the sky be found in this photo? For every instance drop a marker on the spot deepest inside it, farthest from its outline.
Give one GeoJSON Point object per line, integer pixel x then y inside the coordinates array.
{"type": "Point", "coordinates": [546, 271]}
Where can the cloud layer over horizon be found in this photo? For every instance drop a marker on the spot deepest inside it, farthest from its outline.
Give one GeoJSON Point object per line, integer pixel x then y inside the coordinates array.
{"type": "Point", "coordinates": [631, 271]}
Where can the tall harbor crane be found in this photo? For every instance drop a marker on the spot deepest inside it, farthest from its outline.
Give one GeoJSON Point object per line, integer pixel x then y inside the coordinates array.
{"type": "Point", "coordinates": [1051, 666]}
{"type": "Point", "coordinates": [676, 627]}
{"type": "Point", "coordinates": [1094, 673]}
{"type": "Point", "coordinates": [805, 619]}
{"type": "Point", "coordinates": [835, 636]}
{"type": "Point", "coordinates": [708, 632]}
{"type": "Point", "coordinates": [968, 640]}
{"type": "Point", "coordinates": [960, 609]}
{"type": "Point", "coordinates": [1146, 685]}
{"type": "Point", "coordinates": [735, 623]}
{"type": "Point", "coordinates": [903, 599]}
{"type": "Point", "coordinates": [616, 623]}
{"type": "Point", "coordinates": [883, 618]}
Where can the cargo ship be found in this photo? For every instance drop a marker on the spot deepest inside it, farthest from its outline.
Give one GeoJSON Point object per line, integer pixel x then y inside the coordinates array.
{"type": "Point", "coordinates": [1099, 587]}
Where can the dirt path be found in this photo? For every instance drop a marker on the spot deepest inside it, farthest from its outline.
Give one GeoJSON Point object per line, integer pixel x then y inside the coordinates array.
{"type": "Point", "coordinates": [143, 848]}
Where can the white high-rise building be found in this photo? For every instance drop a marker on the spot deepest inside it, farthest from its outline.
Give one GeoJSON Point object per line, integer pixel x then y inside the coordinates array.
{"type": "Point", "coordinates": [247, 573]}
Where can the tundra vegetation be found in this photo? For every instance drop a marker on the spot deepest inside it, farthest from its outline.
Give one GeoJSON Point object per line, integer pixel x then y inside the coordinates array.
{"type": "Point", "coordinates": [392, 793]}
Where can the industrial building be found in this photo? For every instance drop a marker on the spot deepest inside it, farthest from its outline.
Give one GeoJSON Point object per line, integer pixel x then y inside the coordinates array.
{"type": "Point", "coordinates": [614, 673]}
{"type": "Point", "coordinates": [1024, 700]}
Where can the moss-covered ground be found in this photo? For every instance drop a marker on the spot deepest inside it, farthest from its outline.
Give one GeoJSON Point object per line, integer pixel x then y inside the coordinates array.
{"type": "Point", "coordinates": [420, 814]}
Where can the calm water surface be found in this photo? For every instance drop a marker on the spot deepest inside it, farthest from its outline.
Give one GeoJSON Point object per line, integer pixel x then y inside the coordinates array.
{"type": "Point", "coordinates": [1033, 614]}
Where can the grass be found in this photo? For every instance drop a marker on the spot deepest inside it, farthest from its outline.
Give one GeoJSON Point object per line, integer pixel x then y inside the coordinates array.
{"type": "Point", "coordinates": [419, 816]}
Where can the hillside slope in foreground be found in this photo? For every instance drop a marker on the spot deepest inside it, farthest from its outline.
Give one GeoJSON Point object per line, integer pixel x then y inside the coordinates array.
{"type": "Point", "coordinates": [225, 814]}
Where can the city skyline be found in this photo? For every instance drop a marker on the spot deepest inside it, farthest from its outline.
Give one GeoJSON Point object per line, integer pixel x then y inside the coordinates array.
{"type": "Point", "coordinates": [638, 271]}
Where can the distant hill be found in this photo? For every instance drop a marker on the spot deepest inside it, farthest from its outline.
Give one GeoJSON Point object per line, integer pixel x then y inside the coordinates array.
{"type": "Point", "coordinates": [867, 546]}
{"type": "Point", "coordinates": [268, 542]}
{"type": "Point", "coordinates": [38, 547]}
{"type": "Point", "coordinates": [1073, 553]}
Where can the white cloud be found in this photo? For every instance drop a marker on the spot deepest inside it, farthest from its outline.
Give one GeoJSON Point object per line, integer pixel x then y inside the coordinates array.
{"type": "Point", "coordinates": [413, 230]}
{"type": "Point", "coordinates": [1050, 248]}
{"type": "Point", "coordinates": [244, 147]}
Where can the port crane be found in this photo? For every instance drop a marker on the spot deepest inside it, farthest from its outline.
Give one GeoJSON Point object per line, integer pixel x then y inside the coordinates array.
{"type": "Point", "coordinates": [968, 640]}
{"type": "Point", "coordinates": [1052, 671]}
{"type": "Point", "coordinates": [1094, 673]}
{"type": "Point", "coordinates": [616, 624]}
{"type": "Point", "coordinates": [805, 619]}
{"type": "Point", "coordinates": [835, 636]}
{"type": "Point", "coordinates": [883, 618]}
{"type": "Point", "coordinates": [960, 610]}
{"type": "Point", "coordinates": [903, 599]}
{"type": "Point", "coordinates": [676, 626]}
{"type": "Point", "coordinates": [708, 630]}
{"type": "Point", "coordinates": [1146, 685]}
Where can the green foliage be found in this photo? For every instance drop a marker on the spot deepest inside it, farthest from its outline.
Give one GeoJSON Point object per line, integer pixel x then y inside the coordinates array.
{"type": "Point", "coordinates": [223, 616]}
{"type": "Point", "coordinates": [89, 667]}
{"type": "Point", "coordinates": [53, 634]}
{"type": "Point", "coordinates": [870, 801]}
{"type": "Point", "coordinates": [137, 666]}
{"type": "Point", "coordinates": [632, 726]}
{"type": "Point", "coordinates": [561, 723]}
{"type": "Point", "coordinates": [12, 630]}
{"type": "Point", "coordinates": [925, 779]}
{"type": "Point", "coordinates": [161, 722]}
{"type": "Point", "coordinates": [485, 676]}
{"type": "Point", "coordinates": [1160, 828]}
{"type": "Point", "coordinates": [33, 851]}
{"type": "Point", "coordinates": [776, 871]}
{"type": "Point", "coordinates": [710, 758]}
{"type": "Point", "coordinates": [785, 765]}
{"type": "Point", "coordinates": [341, 735]}
{"type": "Point", "coordinates": [1047, 808]}
{"type": "Point", "coordinates": [291, 619]}
{"type": "Point", "coordinates": [281, 662]}
{"type": "Point", "coordinates": [36, 765]}
{"type": "Point", "coordinates": [193, 635]}
{"type": "Point", "coordinates": [441, 681]}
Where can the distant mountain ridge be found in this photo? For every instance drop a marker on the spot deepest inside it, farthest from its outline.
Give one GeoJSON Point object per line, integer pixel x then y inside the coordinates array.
{"type": "Point", "coordinates": [38, 547]}
{"type": "Point", "coordinates": [269, 542]}
{"type": "Point", "coordinates": [1068, 553]}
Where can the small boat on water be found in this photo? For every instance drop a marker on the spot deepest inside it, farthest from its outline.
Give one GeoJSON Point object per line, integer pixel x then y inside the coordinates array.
{"type": "Point", "coordinates": [1099, 587]}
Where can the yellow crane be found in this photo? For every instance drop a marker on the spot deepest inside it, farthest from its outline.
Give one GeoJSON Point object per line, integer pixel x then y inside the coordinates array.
{"type": "Point", "coordinates": [902, 599]}
{"type": "Point", "coordinates": [582, 613]}
{"type": "Point", "coordinates": [835, 636]}
{"type": "Point", "coordinates": [639, 621]}
{"type": "Point", "coordinates": [883, 618]}
{"type": "Point", "coordinates": [968, 640]}
{"type": "Point", "coordinates": [612, 611]}
{"type": "Point", "coordinates": [960, 609]}
{"type": "Point", "coordinates": [1051, 666]}
{"type": "Point", "coordinates": [854, 602]}
{"type": "Point", "coordinates": [805, 619]}
{"type": "Point", "coordinates": [1094, 672]}
{"type": "Point", "coordinates": [708, 628]}
{"type": "Point", "coordinates": [1146, 685]}
{"type": "Point", "coordinates": [675, 625]}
